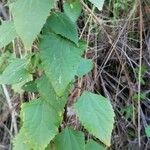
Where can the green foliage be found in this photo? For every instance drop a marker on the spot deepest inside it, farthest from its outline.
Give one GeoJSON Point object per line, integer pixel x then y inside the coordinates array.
{"type": "Point", "coordinates": [72, 10]}
{"type": "Point", "coordinates": [120, 6]}
{"type": "Point", "coordinates": [65, 27]}
{"type": "Point", "coordinates": [18, 86]}
{"type": "Point", "coordinates": [85, 66]}
{"type": "Point", "coordinates": [7, 33]}
{"type": "Point", "coordinates": [15, 72]}
{"type": "Point", "coordinates": [29, 17]}
{"type": "Point", "coordinates": [144, 69]}
{"type": "Point", "coordinates": [142, 96]}
{"type": "Point", "coordinates": [92, 145]}
{"type": "Point", "coordinates": [69, 139]}
{"type": "Point", "coordinates": [99, 118]}
{"type": "Point", "coordinates": [127, 111]}
{"type": "Point", "coordinates": [60, 61]}
{"type": "Point", "coordinates": [20, 141]}
{"type": "Point", "coordinates": [47, 92]}
{"type": "Point", "coordinates": [49, 73]}
{"type": "Point", "coordinates": [42, 125]}
{"type": "Point", "coordinates": [147, 131]}
{"type": "Point", "coordinates": [30, 86]}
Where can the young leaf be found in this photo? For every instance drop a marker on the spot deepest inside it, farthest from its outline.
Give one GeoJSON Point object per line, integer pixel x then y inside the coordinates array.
{"type": "Point", "coordinates": [92, 145]}
{"type": "Point", "coordinates": [20, 142]}
{"type": "Point", "coordinates": [72, 10]}
{"type": "Point", "coordinates": [40, 122]}
{"type": "Point", "coordinates": [98, 3]}
{"type": "Point", "coordinates": [85, 66]}
{"type": "Point", "coordinates": [15, 72]}
{"type": "Point", "coordinates": [29, 17]}
{"type": "Point", "coordinates": [69, 139]}
{"type": "Point", "coordinates": [99, 118]}
{"type": "Point", "coordinates": [7, 33]}
{"type": "Point", "coordinates": [61, 24]}
{"type": "Point", "coordinates": [60, 59]}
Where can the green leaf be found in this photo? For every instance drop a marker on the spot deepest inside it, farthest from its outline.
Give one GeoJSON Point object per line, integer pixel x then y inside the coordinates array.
{"type": "Point", "coordinates": [20, 142]}
{"type": "Point", "coordinates": [60, 59]}
{"type": "Point", "coordinates": [82, 47]}
{"type": "Point", "coordinates": [15, 72]}
{"type": "Point", "coordinates": [147, 131]}
{"type": "Point", "coordinates": [99, 118]}
{"type": "Point", "coordinates": [85, 66]}
{"type": "Point", "coordinates": [18, 86]}
{"type": "Point", "coordinates": [7, 33]}
{"type": "Point", "coordinates": [49, 147]}
{"type": "Point", "coordinates": [92, 145]}
{"type": "Point", "coordinates": [48, 94]}
{"type": "Point", "coordinates": [41, 127]}
{"type": "Point", "coordinates": [30, 86]}
{"type": "Point", "coordinates": [29, 17]}
{"type": "Point", "coordinates": [62, 25]}
{"type": "Point", "coordinates": [98, 3]}
{"type": "Point", "coordinates": [40, 122]}
{"type": "Point", "coordinates": [72, 10]}
{"type": "Point", "coordinates": [69, 139]}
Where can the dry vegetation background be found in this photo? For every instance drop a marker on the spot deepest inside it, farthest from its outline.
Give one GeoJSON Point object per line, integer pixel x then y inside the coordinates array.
{"type": "Point", "coordinates": [119, 43]}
